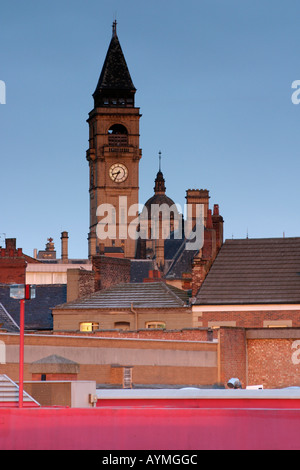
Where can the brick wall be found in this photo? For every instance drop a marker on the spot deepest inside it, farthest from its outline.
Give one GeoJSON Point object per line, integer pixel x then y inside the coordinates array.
{"type": "Point", "coordinates": [13, 263]}
{"type": "Point", "coordinates": [53, 377]}
{"type": "Point", "coordinates": [80, 282]}
{"type": "Point", "coordinates": [232, 355]}
{"type": "Point", "coordinates": [153, 361]}
{"type": "Point", "coordinates": [248, 319]}
{"type": "Point", "coordinates": [12, 270]}
{"type": "Point", "coordinates": [188, 334]}
{"type": "Point", "coordinates": [273, 358]}
{"type": "Point", "coordinates": [110, 271]}
{"type": "Point", "coordinates": [270, 357]}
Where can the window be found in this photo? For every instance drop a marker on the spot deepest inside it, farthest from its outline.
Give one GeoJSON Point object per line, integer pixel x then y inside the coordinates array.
{"type": "Point", "coordinates": [278, 324]}
{"type": "Point", "coordinates": [118, 136]}
{"type": "Point", "coordinates": [155, 324]}
{"type": "Point", "coordinates": [127, 377]}
{"type": "Point", "coordinates": [88, 327]}
{"type": "Point", "coordinates": [122, 325]}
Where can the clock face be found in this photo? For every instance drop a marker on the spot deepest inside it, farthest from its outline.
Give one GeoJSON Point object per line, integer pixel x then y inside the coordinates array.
{"type": "Point", "coordinates": [118, 172]}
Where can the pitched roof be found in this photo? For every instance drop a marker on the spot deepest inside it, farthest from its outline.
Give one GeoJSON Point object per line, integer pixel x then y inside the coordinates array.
{"type": "Point", "coordinates": [37, 311]}
{"type": "Point", "coordinates": [254, 271]}
{"type": "Point", "coordinates": [54, 359]}
{"type": "Point", "coordinates": [181, 262]}
{"type": "Point", "coordinates": [115, 74]}
{"type": "Point", "coordinates": [141, 295]}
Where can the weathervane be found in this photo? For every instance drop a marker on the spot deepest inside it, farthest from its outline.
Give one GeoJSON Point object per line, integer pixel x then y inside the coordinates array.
{"type": "Point", "coordinates": [114, 28]}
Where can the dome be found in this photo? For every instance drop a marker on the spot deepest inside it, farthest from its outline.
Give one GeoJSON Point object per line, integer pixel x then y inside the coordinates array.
{"type": "Point", "coordinates": [159, 197]}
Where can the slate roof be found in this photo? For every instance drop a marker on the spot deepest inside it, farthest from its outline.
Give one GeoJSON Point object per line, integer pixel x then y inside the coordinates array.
{"type": "Point", "coordinates": [54, 359]}
{"type": "Point", "coordinates": [182, 260]}
{"type": "Point", "coordinates": [254, 271]}
{"type": "Point", "coordinates": [6, 321]}
{"type": "Point", "coordinates": [141, 295]}
{"type": "Point", "coordinates": [139, 270]}
{"type": "Point", "coordinates": [38, 312]}
{"type": "Point", "coordinates": [115, 74]}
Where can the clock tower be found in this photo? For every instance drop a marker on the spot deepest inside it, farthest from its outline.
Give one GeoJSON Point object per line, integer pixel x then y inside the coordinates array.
{"type": "Point", "coordinates": [113, 155]}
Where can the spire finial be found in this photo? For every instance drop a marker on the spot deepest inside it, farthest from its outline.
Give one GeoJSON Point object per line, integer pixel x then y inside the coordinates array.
{"type": "Point", "coordinates": [114, 29]}
{"type": "Point", "coordinates": [159, 155]}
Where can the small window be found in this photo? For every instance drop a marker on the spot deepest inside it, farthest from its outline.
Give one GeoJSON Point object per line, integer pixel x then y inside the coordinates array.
{"type": "Point", "coordinates": [127, 377]}
{"type": "Point", "coordinates": [43, 378]}
{"type": "Point", "coordinates": [156, 324]}
{"type": "Point", "coordinates": [122, 325]}
{"type": "Point", "coordinates": [87, 327]}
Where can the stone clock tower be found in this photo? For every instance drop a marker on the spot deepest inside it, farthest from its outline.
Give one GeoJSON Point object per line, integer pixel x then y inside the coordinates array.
{"type": "Point", "coordinates": [113, 155]}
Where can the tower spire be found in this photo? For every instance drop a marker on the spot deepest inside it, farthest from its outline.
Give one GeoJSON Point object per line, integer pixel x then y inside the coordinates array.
{"type": "Point", "coordinates": [115, 85]}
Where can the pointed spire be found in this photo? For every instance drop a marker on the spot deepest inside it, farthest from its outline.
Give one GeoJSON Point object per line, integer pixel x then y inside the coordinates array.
{"type": "Point", "coordinates": [115, 86]}
{"type": "Point", "coordinates": [160, 187]}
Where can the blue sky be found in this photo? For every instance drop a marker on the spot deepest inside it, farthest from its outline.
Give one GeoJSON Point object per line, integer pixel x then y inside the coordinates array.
{"type": "Point", "coordinates": [213, 83]}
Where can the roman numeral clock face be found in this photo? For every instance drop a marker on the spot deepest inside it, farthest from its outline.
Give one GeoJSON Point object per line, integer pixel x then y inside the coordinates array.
{"type": "Point", "coordinates": [118, 173]}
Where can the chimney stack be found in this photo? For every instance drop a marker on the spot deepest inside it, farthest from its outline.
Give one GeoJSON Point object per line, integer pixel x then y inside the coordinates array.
{"type": "Point", "coordinates": [64, 247]}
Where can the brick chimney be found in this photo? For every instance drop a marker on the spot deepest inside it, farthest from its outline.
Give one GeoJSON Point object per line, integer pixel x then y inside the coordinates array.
{"type": "Point", "coordinates": [64, 247]}
{"type": "Point", "coordinates": [198, 196]}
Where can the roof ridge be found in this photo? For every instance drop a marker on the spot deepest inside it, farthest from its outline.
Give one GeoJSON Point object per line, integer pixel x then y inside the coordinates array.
{"type": "Point", "coordinates": [166, 286]}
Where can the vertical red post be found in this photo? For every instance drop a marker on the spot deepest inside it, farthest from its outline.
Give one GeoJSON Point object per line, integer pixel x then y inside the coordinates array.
{"type": "Point", "coordinates": [21, 365]}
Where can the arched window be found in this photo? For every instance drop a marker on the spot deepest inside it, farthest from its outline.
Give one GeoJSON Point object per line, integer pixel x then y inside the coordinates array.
{"type": "Point", "coordinates": [118, 136]}
{"type": "Point", "coordinates": [122, 325]}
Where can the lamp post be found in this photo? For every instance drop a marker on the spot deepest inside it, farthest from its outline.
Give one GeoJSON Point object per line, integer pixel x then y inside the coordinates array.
{"type": "Point", "coordinates": [22, 292]}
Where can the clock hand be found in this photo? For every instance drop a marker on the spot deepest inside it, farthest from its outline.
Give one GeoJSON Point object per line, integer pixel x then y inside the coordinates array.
{"type": "Point", "coordinates": [116, 174]}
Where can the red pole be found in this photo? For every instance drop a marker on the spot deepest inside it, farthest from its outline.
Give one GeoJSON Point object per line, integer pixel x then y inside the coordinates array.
{"type": "Point", "coordinates": [21, 371]}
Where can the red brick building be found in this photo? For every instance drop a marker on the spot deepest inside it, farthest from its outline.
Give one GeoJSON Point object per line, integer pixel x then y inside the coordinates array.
{"type": "Point", "coordinates": [13, 263]}
{"type": "Point", "coordinates": [253, 283]}
{"type": "Point", "coordinates": [159, 359]}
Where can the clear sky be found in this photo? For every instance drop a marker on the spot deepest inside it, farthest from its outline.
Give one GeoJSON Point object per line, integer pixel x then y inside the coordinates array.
{"type": "Point", "coordinates": [213, 81]}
